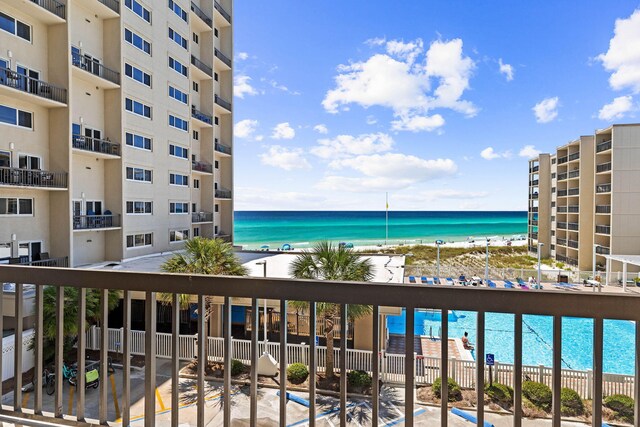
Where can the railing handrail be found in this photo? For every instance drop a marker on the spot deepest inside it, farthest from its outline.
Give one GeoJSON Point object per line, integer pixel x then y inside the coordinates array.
{"type": "Point", "coordinates": [602, 146]}
{"type": "Point", "coordinates": [21, 177]}
{"type": "Point", "coordinates": [223, 12]}
{"type": "Point", "coordinates": [222, 102]}
{"type": "Point", "coordinates": [200, 13]}
{"type": "Point", "coordinates": [222, 148]}
{"type": "Point", "coordinates": [95, 145]}
{"type": "Point", "coordinates": [88, 222]}
{"type": "Point", "coordinates": [95, 68]}
{"type": "Point", "coordinates": [222, 57]}
{"type": "Point", "coordinates": [49, 262]}
{"type": "Point", "coordinates": [52, 6]}
{"type": "Point", "coordinates": [195, 113]}
{"type": "Point", "coordinates": [603, 167]}
{"type": "Point", "coordinates": [603, 188]}
{"type": "Point", "coordinates": [201, 216]}
{"type": "Point", "coordinates": [111, 4]}
{"type": "Point", "coordinates": [33, 86]}
{"type": "Point", "coordinates": [202, 166]}
{"type": "Point", "coordinates": [201, 66]}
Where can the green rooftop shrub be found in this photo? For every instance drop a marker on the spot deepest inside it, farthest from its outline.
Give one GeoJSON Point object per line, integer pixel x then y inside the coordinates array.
{"type": "Point", "coordinates": [297, 373]}
{"type": "Point", "coordinates": [359, 379]}
{"type": "Point", "coordinates": [499, 393]}
{"type": "Point", "coordinates": [622, 405]}
{"type": "Point", "coordinates": [237, 367]}
{"type": "Point", "coordinates": [455, 393]}
{"type": "Point", "coordinates": [537, 393]}
{"type": "Point", "coordinates": [570, 403]}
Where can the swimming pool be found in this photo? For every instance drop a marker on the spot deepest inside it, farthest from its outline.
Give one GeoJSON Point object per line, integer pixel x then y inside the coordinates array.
{"type": "Point", "coordinates": [537, 338]}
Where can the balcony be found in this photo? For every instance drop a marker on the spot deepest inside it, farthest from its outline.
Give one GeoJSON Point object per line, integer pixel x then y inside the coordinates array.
{"type": "Point", "coordinates": [223, 103]}
{"type": "Point", "coordinates": [533, 209]}
{"type": "Point", "coordinates": [561, 242]}
{"type": "Point", "coordinates": [534, 169]}
{"type": "Point", "coordinates": [49, 11]}
{"type": "Point", "coordinates": [32, 90]}
{"type": "Point", "coordinates": [602, 250]}
{"type": "Point", "coordinates": [574, 156]}
{"type": "Point", "coordinates": [221, 148]}
{"type": "Point", "coordinates": [204, 167]}
{"type": "Point", "coordinates": [563, 159]}
{"type": "Point", "coordinates": [603, 209]}
{"type": "Point", "coordinates": [571, 209]}
{"type": "Point", "coordinates": [408, 374]}
{"type": "Point", "coordinates": [114, 5]}
{"type": "Point", "coordinates": [200, 14]}
{"type": "Point", "coordinates": [205, 71]}
{"type": "Point", "coordinates": [603, 167]}
{"type": "Point", "coordinates": [573, 191]}
{"type": "Point", "coordinates": [222, 193]}
{"type": "Point", "coordinates": [562, 193]}
{"type": "Point", "coordinates": [603, 146]}
{"type": "Point", "coordinates": [222, 57]}
{"type": "Point", "coordinates": [96, 146]}
{"type": "Point", "coordinates": [572, 244]}
{"type": "Point", "coordinates": [534, 236]}
{"type": "Point", "coordinates": [603, 229]}
{"type": "Point", "coordinates": [35, 178]}
{"type": "Point", "coordinates": [534, 196]}
{"type": "Point", "coordinates": [603, 188]}
{"type": "Point", "coordinates": [533, 183]}
{"type": "Point", "coordinates": [199, 115]}
{"type": "Point", "coordinates": [572, 226]}
{"type": "Point", "coordinates": [534, 223]}
{"type": "Point", "coordinates": [200, 217]}
{"type": "Point", "coordinates": [562, 176]}
{"type": "Point", "coordinates": [218, 7]}
{"type": "Point", "coordinates": [574, 174]}
{"type": "Point", "coordinates": [93, 222]}
{"type": "Point", "coordinates": [107, 78]}
{"type": "Point", "coordinates": [568, 260]}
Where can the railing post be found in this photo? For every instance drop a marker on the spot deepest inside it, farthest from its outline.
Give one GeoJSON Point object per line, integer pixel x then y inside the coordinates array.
{"type": "Point", "coordinates": [82, 338]}
{"type": "Point", "coordinates": [150, 360]}
{"type": "Point", "coordinates": [126, 357]}
{"type": "Point", "coordinates": [636, 379]}
{"type": "Point", "coordinates": [409, 366]}
{"type": "Point", "coordinates": [597, 371]}
{"type": "Point", "coordinates": [59, 350]}
{"type": "Point", "coordinates": [202, 359]}
{"type": "Point", "coordinates": [255, 330]}
{"type": "Point", "coordinates": [283, 363]}
{"type": "Point", "coordinates": [375, 366]}
{"type": "Point", "coordinates": [517, 371]}
{"type": "Point", "coordinates": [589, 385]}
{"type": "Point", "coordinates": [444, 368]}
{"type": "Point", "coordinates": [227, 362]}
{"type": "Point", "coordinates": [17, 350]}
{"type": "Point", "coordinates": [104, 352]}
{"type": "Point", "coordinates": [175, 359]}
{"type": "Point", "coordinates": [480, 367]}
{"type": "Point", "coordinates": [557, 369]}
{"type": "Point", "coordinates": [38, 347]}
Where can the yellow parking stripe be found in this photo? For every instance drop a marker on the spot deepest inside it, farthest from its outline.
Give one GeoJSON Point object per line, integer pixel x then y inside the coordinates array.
{"type": "Point", "coordinates": [162, 408]}
{"type": "Point", "coordinates": [25, 399]}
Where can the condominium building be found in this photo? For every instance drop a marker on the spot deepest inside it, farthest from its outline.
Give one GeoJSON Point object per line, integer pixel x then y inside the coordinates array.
{"type": "Point", "coordinates": [115, 127]}
{"type": "Point", "coordinates": [584, 199]}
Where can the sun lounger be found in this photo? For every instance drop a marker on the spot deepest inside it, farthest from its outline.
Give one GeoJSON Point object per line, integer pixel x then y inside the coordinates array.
{"type": "Point", "coordinates": [520, 281]}
{"type": "Point", "coordinates": [436, 280]}
{"type": "Point", "coordinates": [450, 281]}
{"type": "Point", "coordinates": [412, 279]}
{"type": "Point", "coordinates": [525, 287]}
{"type": "Point", "coordinates": [508, 284]}
{"type": "Point", "coordinates": [563, 285]}
{"type": "Point", "coordinates": [430, 282]}
{"type": "Point", "coordinates": [423, 279]}
{"type": "Point", "coordinates": [491, 284]}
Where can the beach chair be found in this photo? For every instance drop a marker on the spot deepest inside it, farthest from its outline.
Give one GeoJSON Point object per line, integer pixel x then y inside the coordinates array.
{"type": "Point", "coordinates": [449, 281]}
{"type": "Point", "coordinates": [562, 285]}
{"type": "Point", "coordinates": [508, 284]}
{"type": "Point", "coordinates": [430, 282]}
{"type": "Point", "coordinates": [423, 279]}
{"type": "Point", "coordinates": [525, 287]}
{"type": "Point", "coordinates": [412, 279]}
{"type": "Point", "coordinates": [436, 280]}
{"type": "Point", "coordinates": [491, 284]}
{"type": "Point", "coordinates": [521, 282]}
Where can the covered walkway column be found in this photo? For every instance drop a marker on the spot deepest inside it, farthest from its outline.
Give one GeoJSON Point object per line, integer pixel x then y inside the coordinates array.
{"type": "Point", "coordinates": [624, 276]}
{"type": "Point", "coordinates": [607, 269]}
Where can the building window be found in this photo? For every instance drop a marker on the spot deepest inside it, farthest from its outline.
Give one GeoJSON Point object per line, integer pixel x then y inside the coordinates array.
{"type": "Point", "coordinates": [176, 37]}
{"type": "Point", "coordinates": [215, 230]}
{"type": "Point", "coordinates": [217, 208]}
{"type": "Point", "coordinates": [553, 247]}
{"type": "Point", "coordinates": [196, 86]}
{"type": "Point", "coordinates": [137, 74]}
{"type": "Point", "coordinates": [178, 123]}
{"type": "Point", "coordinates": [215, 76]}
{"type": "Point", "coordinates": [139, 240]}
{"type": "Point", "coordinates": [16, 206]}
{"type": "Point", "coordinates": [15, 117]}
{"type": "Point", "coordinates": [196, 183]}
{"type": "Point", "coordinates": [553, 204]}
{"type": "Point", "coordinates": [553, 189]}
{"type": "Point", "coordinates": [215, 32]}
{"type": "Point", "coordinates": [178, 67]}
{"type": "Point", "coordinates": [196, 135]}
{"type": "Point", "coordinates": [139, 174]}
{"type": "Point", "coordinates": [178, 10]}
{"type": "Point", "coordinates": [217, 165]}
{"type": "Point", "coordinates": [15, 27]}
{"type": "Point", "coordinates": [553, 218]}
{"type": "Point", "coordinates": [553, 232]}
{"type": "Point", "coordinates": [137, 41]}
{"type": "Point", "coordinates": [196, 231]}
{"type": "Point", "coordinates": [138, 9]}
{"type": "Point", "coordinates": [178, 95]}
{"type": "Point", "coordinates": [178, 235]}
{"type": "Point", "coordinates": [138, 141]}
{"type": "Point", "coordinates": [553, 175]}
{"type": "Point", "coordinates": [26, 161]}
{"type": "Point", "coordinates": [136, 207]}
{"type": "Point", "coordinates": [177, 179]}
{"type": "Point", "coordinates": [138, 108]}
{"type": "Point", "coordinates": [216, 120]}
{"type": "Point", "coordinates": [178, 208]}
{"type": "Point", "coordinates": [178, 151]}
{"type": "Point", "coordinates": [553, 161]}
{"type": "Point", "coordinates": [196, 38]}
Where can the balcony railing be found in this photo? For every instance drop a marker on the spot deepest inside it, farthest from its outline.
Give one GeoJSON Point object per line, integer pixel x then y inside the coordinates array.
{"type": "Point", "coordinates": [534, 223]}
{"type": "Point", "coordinates": [201, 66]}
{"type": "Point", "coordinates": [572, 244]}
{"type": "Point", "coordinates": [223, 103]}
{"type": "Point", "coordinates": [534, 169]}
{"type": "Point", "coordinates": [95, 145]}
{"type": "Point", "coordinates": [410, 372]}
{"type": "Point", "coordinates": [603, 250]}
{"type": "Point", "coordinates": [203, 117]}
{"type": "Point", "coordinates": [200, 14]}
{"type": "Point", "coordinates": [197, 217]}
{"type": "Point", "coordinates": [571, 209]}
{"type": "Point", "coordinates": [202, 167]}
{"type": "Point", "coordinates": [222, 148]}
{"type": "Point", "coordinates": [52, 6]}
{"type": "Point", "coordinates": [534, 236]}
{"type": "Point", "coordinates": [603, 229]}
{"type": "Point", "coordinates": [603, 146]}
{"type": "Point", "coordinates": [603, 167]}
{"type": "Point", "coordinates": [562, 193]}
{"type": "Point", "coordinates": [223, 12]}
{"type": "Point", "coordinates": [533, 209]}
{"type": "Point", "coordinates": [561, 242]}
{"type": "Point", "coordinates": [574, 174]}
{"type": "Point", "coordinates": [32, 178]}
{"type": "Point", "coordinates": [572, 226]}
{"type": "Point", "coordinates": [33, 86]}
{"type": "Point", "coordinates": [89, 222]}
{"type": "Point", "coordinates": [573, 191]}
{"type": "Point", "coordinates": [574, 156]}
{"type": "Point", "coordinates": [568, 260]}
{"type": "Point", "coordinates": [49, 262]}
{"type": "Point", "coordinates": [95, 68]}
{"type": "Point", "coordinates": [603, 209]}
{"type": "Point", "coordinates": [563, 159]}
{"type": "Point", "coordinates": [222, 57]}
{"type": "Point", "coordinates": [111, 4]}
{"type": "Point", "coordinates": [562, 176]}
{"type": "Point", "coordinates": [534, 196]}
{"type": "Point", "coordinates": [534, 182]}
{"type": "Point", "coordinates": [562, 225]}
{"type": "Point", "coordinates": [603, 188]}
{"type": "Point", "coordinates": [222, 193]}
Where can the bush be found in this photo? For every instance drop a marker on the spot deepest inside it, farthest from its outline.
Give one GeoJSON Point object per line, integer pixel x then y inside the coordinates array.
{"type": "Point", "coordinates": [237, 367]}
{"type": "Point", "coordinates": [539, 394]}
{"type": "Point", "coordinates": [499, 393]}
{"type": "Point", "coordinates": [297, 373]}
{"type": "Point", "coordinates": [359, 379]}
{"type": "Point", "coordinates": [570, 403]}
{"type": "Point", "coordinates": [455, 393]}
{"type": "Point", "coordinates": [622, 405]}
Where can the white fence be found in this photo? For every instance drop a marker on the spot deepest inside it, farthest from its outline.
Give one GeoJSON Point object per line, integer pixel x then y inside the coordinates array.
{"type": "Point", "coordinates": [8, 354]}
{"type": "Point", "coordinates": [427, 369]}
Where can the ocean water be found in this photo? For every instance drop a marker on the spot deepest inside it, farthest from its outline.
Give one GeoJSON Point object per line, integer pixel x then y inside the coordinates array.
{"type": "Point", "coordinates": [302, 228]}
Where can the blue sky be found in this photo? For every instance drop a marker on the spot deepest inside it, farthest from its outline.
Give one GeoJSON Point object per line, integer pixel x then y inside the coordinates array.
{"type": "Point", "coordinates": [437, 103]}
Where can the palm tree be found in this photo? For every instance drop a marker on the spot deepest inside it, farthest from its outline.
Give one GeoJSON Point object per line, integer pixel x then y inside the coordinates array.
{"type": "Point", "coordinates": [328, 262]}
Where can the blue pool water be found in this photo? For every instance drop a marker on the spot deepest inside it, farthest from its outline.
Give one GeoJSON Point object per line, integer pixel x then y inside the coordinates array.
{"type": "Point", "coordinates": [537, 338]}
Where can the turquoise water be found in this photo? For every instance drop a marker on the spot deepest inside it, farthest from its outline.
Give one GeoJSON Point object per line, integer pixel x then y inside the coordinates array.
{"type": "Point", "coordinates": [302, 228]}
{"type": "Point", "coordinates": [537, 338]}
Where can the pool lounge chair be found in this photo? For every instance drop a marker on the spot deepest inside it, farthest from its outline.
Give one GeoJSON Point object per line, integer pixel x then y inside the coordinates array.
{"type": "Point", "coordinates": [525, 287]}
{"type": "Point", "coordinates": [508, 284]}
{"type": "Point", "coordinates": [430, 282]}
{"type": "Point", "coordinates": [563, 285]}
{"type": "Point", "coordinates": [436, 281]}
{"type": "Point", "coordinates": [520, 281]}
{"type": "Point", "coordinates": [412, 279]}
{"type": "Point", "coordinates": [423, 279]}
{"type": "Point", "coordinates": [491, 284]}
{"type": "Point", "coordinates": [450, 281]}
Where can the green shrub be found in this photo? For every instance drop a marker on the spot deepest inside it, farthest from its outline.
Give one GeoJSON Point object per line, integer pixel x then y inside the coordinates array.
{"type": "Point", "coordinates": [297, 373]}
{"type": "Point", "coordinates": [499, 393]}
{"type": "Point", "coordinates": [539, 394]}
{"type": "Point", "coordinates": [455, 393]}
{"type": "Point", "coordinates": [622, 405]}
{"type": "Point", "coordinates": [570, 403]}
{"type": "Point", "coordinates": [237, 367]}
{"type": "Point", "coordinates": [359, 379]}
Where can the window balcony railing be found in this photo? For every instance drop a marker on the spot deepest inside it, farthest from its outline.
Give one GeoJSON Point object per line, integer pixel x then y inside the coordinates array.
{"type": "Point", "coordinates": [573, 191]}
{"type": "Point", "coordinates": [200, 14]}
{"type": "Point", "coordinates": [222, 193]}
{"type": "Point", "coordinates": [603, 229]}
{"type": "Point", "coordinates": [534, 182]}
{"type": "Point", "coordinates": [603, 250]}
{"type": "Point", "coordinates": [33, 86]}
{"type": "Point", "coordinates": [52, 6]}
{"type": "Point", "coordinates": [568, 260]}
{"type": "Point", "coordinates": [95, 145]}
{"type": "Point", "coordinates": [534, 236]}
{"type": "Point", "coordinates": [222, 102]}
{"type": "Point", "coordinates": [562, 193]}
{"type": "Point", "coordinates": [223, 12]}
{"type": "Point", "coordinates": [534, 196]}
{"type": "Point", "coordinates": [19, 177]}
{"type": "Point", "coordinates": [603, 209]}
{"type": "Point", "coordinates": [574, 174]}
{"type": "Point", "coordinates": [603, 167]}
{"type": "Point", "coordinates": [572, 226]}
{"type": "Point", "coordinates": [202, 66]}
{"type": "Point", "coordinates": [222, 57]}
{"type": "Point", "coordinates": [561, 242]}
{"type": "Point", "coordinates": [533, 249]}
{"type": "Point", "coordinates": [563, 159]}
{"type": "Point", "coordinates": [409, 372]}
{"type": "Point", "coordinates": [562, 225]}
{"type": "Point", "coordinates": [572, 244]}
{"type": "Point", "coordinates": [562, 176]}
{"type": "Point", "coordinates": [574, 156]}
{"type": "Point", "coordinates": [201, 166]}
{"type": "Point", "coordinates": [603, 188]}
{"type": "Point", "coordinates": [198, 217]}
{"type": "Point", "coordinates": [203, 117]}
{"type": "Point", "coordinates": [221, 148]}
{"type": "Point", "coordinates": [111, 4]}
{"type": "Point", "coordinates": [95, 68]}
{"type": "Point", "coordinates": [570, 209]}
{"type": "Point", "coordinates": [534, 223]}
{"type": "Point", "coordinates": [89, 222]}
{"type": "Point", "coordinates": [49, 262]}
{"type": "Point", "coordinates": [603, 146]}
{"type": "Point", "coordinates": [534, 169]}
{"type": "Point", "coordinates": [533, 209]}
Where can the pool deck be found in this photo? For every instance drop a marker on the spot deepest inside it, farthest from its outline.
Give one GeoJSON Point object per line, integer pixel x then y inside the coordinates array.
{"type": "Point", "coordinates": [431, 347]}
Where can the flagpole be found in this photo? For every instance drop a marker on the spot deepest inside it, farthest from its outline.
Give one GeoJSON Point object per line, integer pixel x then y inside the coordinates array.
{"type": "Point", "coordinates": [386, 226]}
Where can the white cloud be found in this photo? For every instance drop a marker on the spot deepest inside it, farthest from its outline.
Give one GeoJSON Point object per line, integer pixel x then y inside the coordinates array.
{"type": "Point", "coordinates": [616, 109]}
{"type": "Point", "coordinates": [418, 123]}
{"type": "Point", "coordinates": [371, 120]}
{"type": "Point", "coordinates": [408, 51]}
{"type": "Point", "coordinates": [348, 145]}
{"type": "Point", "coordinates": [506, 69]}
{"type": "Point", "coordinates": [546, 110]}
{"type": "Point", "coordinates": [274, 84]}
{"type": "Point", "coordinates": [623, 56]}
{"type": "Point", "coordinates": [285, 158]}
{"type": "Point", "coordinates": [255, 198]}
{"type": "Point", "coordinates": [242, 56]}
{"type": "Point", "coordinates": [245, 128]}
{"type": "Point", "coordinates": [489, 154]}
{"type": "Point", "coordinates": [376, 41]}
{"type": "Point", "coordinates": [321, 129]}
{"type": "Point", "coordinates": [529, 151]}
{"type": "Point", "coordinates": [441, 194]}
{"type": "Point", "coordinates": [283, 131]}
{"type": "Point", "coordinates": [242, 86]}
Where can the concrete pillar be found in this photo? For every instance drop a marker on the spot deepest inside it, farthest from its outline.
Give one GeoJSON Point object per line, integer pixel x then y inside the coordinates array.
{"type": "Point", "coordinates": [624, 276]}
